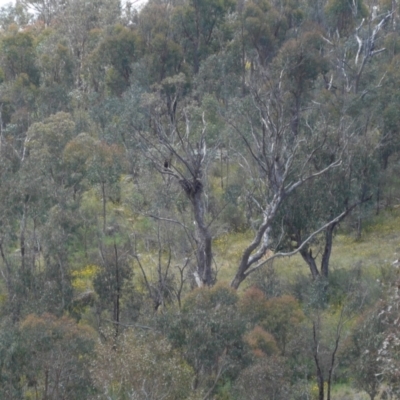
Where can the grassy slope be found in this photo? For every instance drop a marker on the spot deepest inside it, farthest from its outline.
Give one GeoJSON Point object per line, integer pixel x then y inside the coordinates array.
{"type": "Point", "coordinates": [379, 246]}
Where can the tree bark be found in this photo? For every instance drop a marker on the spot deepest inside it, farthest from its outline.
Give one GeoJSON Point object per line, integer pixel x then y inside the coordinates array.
{"type": "Point", "coordinates": [22, 238]}
{"type": "Point", "coordinates": [103, 193]}
{"type": "Point", "coordinates": [320, 375]}
{"type": "Point", "coordinates": [9, 286]}
{"type": "Point", "coordinates": [247, 259]}
{"type": "Point", "coordinates": [330, 373]}
{"type": "Point", "coordinates": [204, 241]}
{"type": "Point", "coordinates": [326, 255]}
{"type": "Point", "coordinates": [327, 250]}
{"type": "Point", "coordinates": [310, 260]}
{"type": "Point", "coordinates": [260, 242]}
{"type": "Point", "coordinates": [117, 291]}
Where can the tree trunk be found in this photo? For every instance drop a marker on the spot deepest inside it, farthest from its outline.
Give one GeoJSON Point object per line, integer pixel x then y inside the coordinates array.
{"type": "Point", "coordinates": [307, 255]}
{"type": "Point", "coordinates": [22, 240]}
{"type": "Point", "coordinates": [327, 250]}
{"type": "Point", "coordinates": [330, 373]}
{"type": "Point", "coordinates": [46, 384]}
{"type": "Point", "coordinates": [117, 291]}
{"type": "Point", "coordinates": [9, 286]}
{"type": "Point", "coordinates": [103, 193]}
{"type": "Point", "coordinates": [196, 41]}
{"type": "Point", "coordinates": [259, 245]}
{"type": "Point", "coordinates": [320, 376]}
{"type": "Point", "coordinates": [238, 279]}
{"type": "Point", "coordinates": [359, 223]}
{"type": "Point", "coordinates": [248, 259]}
{"type": "Point", "coordinates": [62, 280]}
{"type": "Point", "coordinates": [196, 62]}
{"type": "Point", "coordinates": [310, 260]}
{"type": "Point", "coordinates": [378, 198]}
{"type": "Point", "coordinates": [204, 241]}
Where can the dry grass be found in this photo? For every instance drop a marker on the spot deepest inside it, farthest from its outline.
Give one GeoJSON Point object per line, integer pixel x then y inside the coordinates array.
{"type": "Point", "coordinates": [379, 246]}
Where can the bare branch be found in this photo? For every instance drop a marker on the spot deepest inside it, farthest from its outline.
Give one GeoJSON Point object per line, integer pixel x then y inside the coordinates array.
{"type": "Point", "coordinates": [295, 185]}
{"type": "Point", "coordinates": [174, 221]}
{"type": "Point", "coordinates": [303, 244]}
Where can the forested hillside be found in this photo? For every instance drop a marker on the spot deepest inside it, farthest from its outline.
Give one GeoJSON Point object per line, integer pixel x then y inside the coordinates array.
{"type": "Point", "coordinates": [160, 170]}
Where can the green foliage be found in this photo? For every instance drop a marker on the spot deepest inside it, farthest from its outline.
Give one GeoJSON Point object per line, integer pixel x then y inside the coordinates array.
{"type": "Point", "coordinates": [56, 65]}
{"type": "Point", "coordinates": [261, 342]}
{"type": "Point", "coordinates": [57, 357]}
{"type": "Point", "coordinates": [105, 163]}
{"type": "Point", "coordinates": [18, 55]}
{"type": "Point", "coordinates": [252, 305]}
{"type": "Point", "coordinates": [208, 330]}
{"type": "Point", "coordinates": [114, 276]}
{"type": "Point", "coordinates": [13, 15]}
{"type": "Point", "coordinates": [123, 370]}
{"type": "Point", "coordinates": [266, 25]}
{"type": "Point", "coordinates": [283, 316]}
{"type": "Point", "coordinates": [113, 58]}
{"type": "Point", "coordinates": [265, 378]}
{"type": "Point", "coordinates": [302, 61]}
{"type": "Point", "coordinates": [46, 142]}
{"type": "Point", "coordinates": [343, 15]}
{"type": "Point", "coordinates": [362, 352]}
{"type": "Point", "coordinates": [13, 356]}
{"type": "Point", "coordinates": [195, 22]}
{"type": "Point", "coordinates": [163, 55]}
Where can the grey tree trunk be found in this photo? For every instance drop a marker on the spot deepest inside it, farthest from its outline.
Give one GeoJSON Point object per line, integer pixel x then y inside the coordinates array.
{"type": "Point", "coordinates": [194, 190]}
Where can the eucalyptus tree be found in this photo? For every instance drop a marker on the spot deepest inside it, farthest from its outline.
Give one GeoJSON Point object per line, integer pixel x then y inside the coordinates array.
{"type": "Point", "coordinates": [388, 345]}
{"type": "Point", "coordinates": [112, 281]}
{"type": "Point", "coordinates": [265, 26]}
{"type": "Point", "coordinates": [162, 52]}
{"type": "Point", "coordinates": [359, 88]}
{"type": "Point", "coordinates": [20, 79]}
{"type": "Point", "coordinates": [14, 14]}
{"type": "Point", "coordinates": [311, 136]}
{"type": "Point", "coordinates": [46, 208]}
{"type": "Point", "coordinates": [9, 200]}
{"type": "Point", "coordinates": [196, 23]}
{"type": "Point", "coordinates": [109, 64]}
{"type": "Point", "coordinates": [163, 282]}
{"type": "Point", "coordinates": [336, 195]}
{"type": "Point", "coordinates": [13, 360]}
{"type": "Point", "coordinates": [362, 351]}
{"type": "Point", "coordinates": [18, 194]}
{"type": "Point", "coordinates": [36, 212]}
{"type": "Point", "coordinates": [56, 65]}
{"type": "Point", "coordinates": [176, 143]}
{"type": "Point", "coordinates": [46, 10]}
{"type": "Point", "coordinates": [320, 345]}
{"type": "Point", "coordinates": [57, 354]}
{"type": "Point", "coordinates": [80, 22]}
{"type": "Point", "coordinates": [145, 367]}
{"type": "Point", "coordinates": [342, 16]}
{"type": "Point", "coordinates": [363, 30]}
{"type": "Point", "coordinates": [284, 151]}
{"type": "Point", "coordinates": [389, 124]}
{"type": "Point", "coordinates": [18, 55]}
{"type": "Point", "coordinates": [210, 333]}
